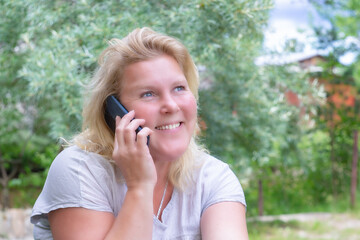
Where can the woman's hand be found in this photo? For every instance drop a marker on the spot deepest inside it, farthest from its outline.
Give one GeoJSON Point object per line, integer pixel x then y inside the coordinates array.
{"type": "Point", "coordinates": [131, 153]}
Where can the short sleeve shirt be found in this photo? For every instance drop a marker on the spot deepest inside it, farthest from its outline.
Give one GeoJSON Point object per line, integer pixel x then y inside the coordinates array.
{"type": "Point", "coordinates": [78, 178]}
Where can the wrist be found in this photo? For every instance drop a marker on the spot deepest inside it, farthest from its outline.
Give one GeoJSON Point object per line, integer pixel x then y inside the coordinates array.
{"type": "Point", "coordinates": [141, 191]}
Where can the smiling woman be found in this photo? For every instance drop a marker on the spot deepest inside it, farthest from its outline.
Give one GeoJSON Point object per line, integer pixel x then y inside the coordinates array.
{"type": "Point", "coordinates": [115, 184]}
{"type": "Point", "coordinates": [158, 92]}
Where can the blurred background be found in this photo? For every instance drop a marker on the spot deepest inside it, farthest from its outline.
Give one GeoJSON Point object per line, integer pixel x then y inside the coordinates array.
{"type": "Point", "coordinates": [279, 99]}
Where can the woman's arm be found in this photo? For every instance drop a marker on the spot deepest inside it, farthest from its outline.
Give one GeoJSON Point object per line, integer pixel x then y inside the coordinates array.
{"type": "Point", "coordinates": [225, 220]}
{"type": "Point", "coordinates": [134, 220]}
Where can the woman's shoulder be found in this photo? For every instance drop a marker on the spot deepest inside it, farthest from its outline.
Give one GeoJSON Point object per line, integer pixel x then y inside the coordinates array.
{"type": "Point", "coordinates": [209, 162]}
{"type": "Point", "coordinates": [76, 178]}
{"type": "Point", "coordinates": [75, 152]}
{"type": "Point", "coordinates": [75, 155]}
{"type": "Point", "coordinates": [216, 182]}
{"type": "Point", "coordinates": [214, 172]}
{"type": "Point", "coordinates": [74, 163]}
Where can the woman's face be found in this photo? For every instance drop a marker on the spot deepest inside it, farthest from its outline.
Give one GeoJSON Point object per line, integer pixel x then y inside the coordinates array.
{"type": "Point", "coordinates": [159, 93]}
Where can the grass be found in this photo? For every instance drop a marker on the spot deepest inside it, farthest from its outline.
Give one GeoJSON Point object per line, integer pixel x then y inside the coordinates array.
{"type": "Point", "coordinates": [296, 230]}
{"type": "Point", "coordinates": [271, 230]}
{"type": "Point", "coordinates": [344, 223]}
{"type": "Point", "coordinates": [336, 226]}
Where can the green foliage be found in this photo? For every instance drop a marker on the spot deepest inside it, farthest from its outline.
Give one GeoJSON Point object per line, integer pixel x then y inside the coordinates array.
{"type": "Point", "coordinates": [49, 51]}
{"type": "Point", "coordinates": [64, 40]}
{"type": "Point", "coordinates": [339, 121]}
{"type": "Point", "coordinates": [53, 50]}
{"type": "Point", "coordinates": [253, 128]}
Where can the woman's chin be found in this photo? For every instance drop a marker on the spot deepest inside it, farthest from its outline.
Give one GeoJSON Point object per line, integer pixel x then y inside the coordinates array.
{"type": "Point", "coordinates": [167, 153]}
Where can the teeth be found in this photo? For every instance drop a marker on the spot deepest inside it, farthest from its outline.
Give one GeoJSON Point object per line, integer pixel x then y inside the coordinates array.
{"type": "Point", "coordinates": [168, 127]}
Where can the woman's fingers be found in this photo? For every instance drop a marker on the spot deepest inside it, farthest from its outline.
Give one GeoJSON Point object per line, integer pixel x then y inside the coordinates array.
{"type": "Point", "coordinates": [143, 137]}
{"type": "Point", "coordinates": [130, 131]}
{"type": "Point", "coordinates": [121, 124]}
{"type": "Point", "coordinates": [126, 127]}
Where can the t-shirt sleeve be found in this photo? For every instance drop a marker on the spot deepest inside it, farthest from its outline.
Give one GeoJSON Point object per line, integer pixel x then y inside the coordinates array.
{"type": "Point", "coordinates": [75, 179]}
{"type": "Point", "coordinates": [220, 184]}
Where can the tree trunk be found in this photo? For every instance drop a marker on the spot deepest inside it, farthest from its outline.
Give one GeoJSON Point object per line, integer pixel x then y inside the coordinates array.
{"type": "Point", "coordinates": [5, 199]}
{"type": "Point", "coordinates": [354, 169]}
{"type": "Point", "coordinates": [260, 198]}
{"type": "Point", "coordinates": [333, 162]}
{"type": "Point", "coordinates": [4, 181]}
{"type": "Point", "coordinates": [5, 187]}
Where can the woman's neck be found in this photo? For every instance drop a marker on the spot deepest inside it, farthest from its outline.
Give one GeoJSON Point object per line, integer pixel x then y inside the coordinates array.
{"type": "Point", "coordinates": [162, 170]}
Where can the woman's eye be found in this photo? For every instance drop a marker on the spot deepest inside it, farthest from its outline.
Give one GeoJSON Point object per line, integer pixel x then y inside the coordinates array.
{"type": "Point", "coordinates": [179, 88]}
{"type": "Point", "coordinates": [147, 94]}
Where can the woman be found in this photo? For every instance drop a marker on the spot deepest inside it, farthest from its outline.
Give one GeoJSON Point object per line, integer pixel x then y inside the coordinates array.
{"type": "Point", "coordinates": [120, 185]}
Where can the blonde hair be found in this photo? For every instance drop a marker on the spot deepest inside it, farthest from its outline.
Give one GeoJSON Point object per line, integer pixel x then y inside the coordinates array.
{"type": "Point", "coordinates": [140, 45]}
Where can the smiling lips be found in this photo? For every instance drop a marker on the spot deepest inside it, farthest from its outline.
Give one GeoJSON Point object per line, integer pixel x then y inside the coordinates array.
{"type": "Point", "coordinates": [168, 127]}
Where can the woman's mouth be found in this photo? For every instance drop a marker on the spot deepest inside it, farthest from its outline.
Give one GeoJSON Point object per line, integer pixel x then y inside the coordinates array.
{"type": "Point", "coordinates": [168, 127]}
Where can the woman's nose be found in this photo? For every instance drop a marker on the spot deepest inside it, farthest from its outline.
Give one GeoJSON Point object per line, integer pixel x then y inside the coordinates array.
{"type": "Point", "coordinates": [169, 105]}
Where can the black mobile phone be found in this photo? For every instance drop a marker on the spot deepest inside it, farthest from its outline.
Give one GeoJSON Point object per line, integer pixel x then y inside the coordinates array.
{"type": "Point", "coordinates": [114, 108]}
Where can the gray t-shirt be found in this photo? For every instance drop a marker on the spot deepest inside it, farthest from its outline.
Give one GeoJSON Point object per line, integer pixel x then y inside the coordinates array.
{"type": "Point", "coordinates": [83, 179]}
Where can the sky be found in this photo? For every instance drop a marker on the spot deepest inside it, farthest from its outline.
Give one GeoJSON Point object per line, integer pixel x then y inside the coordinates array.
{"type": "Point", "coordinates": [287, 20]}
{"type": "Point", "coordinates": [292, 19]}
